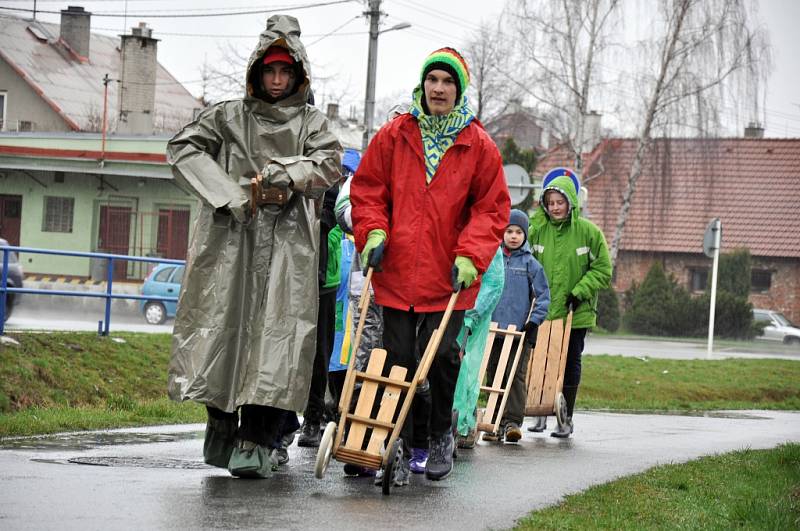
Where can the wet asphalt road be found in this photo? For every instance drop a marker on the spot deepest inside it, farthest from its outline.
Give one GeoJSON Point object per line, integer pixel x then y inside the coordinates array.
{"type": "Point", "coordinates": [155, 478]}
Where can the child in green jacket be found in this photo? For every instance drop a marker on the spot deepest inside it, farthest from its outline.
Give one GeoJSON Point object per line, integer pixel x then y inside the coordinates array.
{"type": "Point", "coordinates": [575, 258]}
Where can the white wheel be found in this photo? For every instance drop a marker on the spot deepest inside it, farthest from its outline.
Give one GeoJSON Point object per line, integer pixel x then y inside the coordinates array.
{"type": "Point", "coordinates": [561, 409]}
{"type": "Point", "coordinates": [155, 313]}
{"type": "Point", "coordinates": [325, 450]}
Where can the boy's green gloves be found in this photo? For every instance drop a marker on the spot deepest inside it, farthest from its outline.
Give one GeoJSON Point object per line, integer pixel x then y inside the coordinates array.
{"type": "Point", "coordinates": [372, 253]}
{"type": "Point", "coordinates": [464, 273]}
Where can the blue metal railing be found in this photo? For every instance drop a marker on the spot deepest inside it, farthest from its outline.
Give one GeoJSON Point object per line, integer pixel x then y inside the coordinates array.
{"type": "Point", "coordinates": [102, 326]}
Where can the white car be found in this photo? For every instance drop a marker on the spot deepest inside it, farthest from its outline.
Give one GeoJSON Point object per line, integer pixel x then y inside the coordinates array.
{"type": "Point", "coordinates": [778, 327]}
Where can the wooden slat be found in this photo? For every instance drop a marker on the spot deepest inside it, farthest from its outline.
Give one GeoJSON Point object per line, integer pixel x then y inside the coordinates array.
{"type": "Point", "coordinates": [507, 331]}
{"type": "Point", "coordinates": [491, 403]}
{"type": "Point", "coordinates": [537, 367]}
{"type": "Point", "coordinates": [366, 399]}
{"type": "Point", "coordinates": [564, 349]}
{"type": "Point", "coordinates": [382, 379]}
{"type": "Point", "coordinates": [389, 401]}
{"type": "Point", "coordinates": [553, 357]}
{"type": "Point", "coordinates": [358, 457]}
{"type": "Point", "coordinates": [487, 351]}
{"type": "Point", "coordinates": [370, 422]}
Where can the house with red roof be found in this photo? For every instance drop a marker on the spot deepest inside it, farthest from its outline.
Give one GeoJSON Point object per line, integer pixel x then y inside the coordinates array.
{"type": "Point", "coordinates": [66, 181]}
{"type": "Point", "coordinates": [751, 184]}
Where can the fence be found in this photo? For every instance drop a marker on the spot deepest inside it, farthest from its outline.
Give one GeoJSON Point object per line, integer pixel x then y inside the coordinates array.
{"type": "Point", "coordinates": [103, 326]}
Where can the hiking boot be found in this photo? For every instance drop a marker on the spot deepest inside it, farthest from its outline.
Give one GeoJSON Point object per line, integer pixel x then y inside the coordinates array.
{"type": "Point", "coordinates": [419, 457]}
{"type": "Point", "coordinates": [540, 426]}
{"type": "Point", "coordinates": [493, 437]}
{"type": "Point", "coordinates": [440, 457]}
{"type": "Point", "coordinates": [358, 471]}
{"type": "Point", "coordinates": [563, 431]}
{"type": "Point", "coordinates": [250, 460]}
{"type": "Point", "coordinates": [310, 435]}
{"type": "Point", "coordinates": [402, 474]}
{"type": "Point", "coordinates": [467, 442]}
{"type": "Point", "coordinates": [512, 432]}
{"type": "Point", "coordinates": [280, 455]}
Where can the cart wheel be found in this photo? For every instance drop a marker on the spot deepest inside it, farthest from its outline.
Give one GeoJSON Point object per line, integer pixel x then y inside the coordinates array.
{"type": "Point", "coordinates": [561, 409]}
{"type": "Point", "coordinates": [325, 450]}
{"type": "Point", "coordinates": [388, 471]}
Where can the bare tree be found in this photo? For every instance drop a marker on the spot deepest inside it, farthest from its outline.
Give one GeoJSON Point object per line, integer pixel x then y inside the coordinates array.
{"type": "Point", "coordinates": [562, 43]}
{"type": "Point", "coordinates": [701, 44]}
{"type": "Point", "coordinates": [488, 54]}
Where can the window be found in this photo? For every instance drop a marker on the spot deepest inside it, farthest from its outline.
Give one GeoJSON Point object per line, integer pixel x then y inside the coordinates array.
{"type": "Point", "coordinates": [163, 275]}
{"type": "Point", "coordinates": [58, 214]}
{"type": "Point", "coordinates": [178, 277]}
{"type": "Point", "coordinates": [698, 279]}
{"type": "Point", "coordinates": [760, 280]}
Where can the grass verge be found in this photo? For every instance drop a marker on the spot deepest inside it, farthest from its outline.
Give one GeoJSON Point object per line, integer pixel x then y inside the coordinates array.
{"type": "Point", "coordinates": [68, 381]}
{"type": "Point", "coordinates": [749, 489]}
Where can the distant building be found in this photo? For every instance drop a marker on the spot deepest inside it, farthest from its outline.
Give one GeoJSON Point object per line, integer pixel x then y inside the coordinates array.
{"type": "Point", "coordinates": [752, 184]}
{"type": "Point", "coordinates": [61, 185]}
{"type": "Point", "coordinates": [51, 79]}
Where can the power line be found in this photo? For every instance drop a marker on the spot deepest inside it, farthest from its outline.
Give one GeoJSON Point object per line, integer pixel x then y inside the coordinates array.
{"type": "Point", "coordinates": [235, 36]}
{"type": "Point", "coordinates": [192, 15]}
{"type": "Point", "coordinates": [337, 28]}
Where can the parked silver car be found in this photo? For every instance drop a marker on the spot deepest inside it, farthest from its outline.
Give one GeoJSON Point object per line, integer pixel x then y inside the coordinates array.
{"type": "Point", "coordinates": [14, 277]}
{"type": "Point", "coordinates": [777, 327]}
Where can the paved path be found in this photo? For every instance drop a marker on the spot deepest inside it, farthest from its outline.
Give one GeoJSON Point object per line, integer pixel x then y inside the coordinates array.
{"type": "Point", "coordinates": [655, 348]}
{"type": "Point", "coordinates": [157, 481]}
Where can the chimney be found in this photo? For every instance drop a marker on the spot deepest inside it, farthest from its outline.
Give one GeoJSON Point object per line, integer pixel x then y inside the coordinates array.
{"type": "Point", "coordinates": [75, 29]}
{"type": "Point", "coordinates": [754, 130]}
{"type": "Point", "coordinates": [591, 131]}
{"type": "Point", "coordinates": [333, 111]}
{"type": "Point", "coordinates": [137, 91]}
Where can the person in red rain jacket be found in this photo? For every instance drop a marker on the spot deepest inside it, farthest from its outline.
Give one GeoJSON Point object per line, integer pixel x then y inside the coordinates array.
{"type": "Point", "coordinates": [430, 204]}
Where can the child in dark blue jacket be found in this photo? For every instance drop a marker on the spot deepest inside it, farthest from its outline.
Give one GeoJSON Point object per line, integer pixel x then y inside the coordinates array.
{"type": "Point", "coordinates": [526, 285]}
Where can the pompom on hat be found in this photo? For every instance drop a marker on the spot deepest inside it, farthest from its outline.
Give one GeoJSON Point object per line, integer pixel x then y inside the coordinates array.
{"type": "Point", "coordinates": [449, 60]}
{"type": "Point", "coordinates": [277, 54]}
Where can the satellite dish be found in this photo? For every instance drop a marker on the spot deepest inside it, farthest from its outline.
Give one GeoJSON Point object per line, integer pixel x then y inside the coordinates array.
{"type": "Point", "coordinates": [558, 172]}
{"type": "Point", "coordinates": [518, 181]}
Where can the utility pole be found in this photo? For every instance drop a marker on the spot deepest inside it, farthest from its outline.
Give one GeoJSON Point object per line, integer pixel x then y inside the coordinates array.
{"type": "Point", "coordinates": [106, 81]}
{"type": "Point", "coordinates": [374, 15]}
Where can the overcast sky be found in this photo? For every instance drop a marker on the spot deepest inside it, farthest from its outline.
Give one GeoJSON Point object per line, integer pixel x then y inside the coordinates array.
{"type": "Point", "coordinates": [342, 56]}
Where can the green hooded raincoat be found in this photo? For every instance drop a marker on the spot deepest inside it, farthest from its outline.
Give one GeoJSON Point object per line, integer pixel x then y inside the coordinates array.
{"type": "Point", "coordinates": [574, 255]}
{"type": "Point", "coordinates": [245, 329]}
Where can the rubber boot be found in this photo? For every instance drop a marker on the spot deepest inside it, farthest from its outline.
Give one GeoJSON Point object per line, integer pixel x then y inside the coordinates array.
{"type": "Point", "coordinates": [570, 394]}
{"type": "Point", "coordinates": [540, 426]}
{"type": "Point", "coordinates": [220, 437]}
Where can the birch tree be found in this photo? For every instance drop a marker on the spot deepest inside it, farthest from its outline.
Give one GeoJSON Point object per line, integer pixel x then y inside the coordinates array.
{"type": "Point", "coordinates": [699, 45]}
{"type": "Point", "coordinates": [488, 55]}
{"type": "Point", "coordinates": [562, 43]}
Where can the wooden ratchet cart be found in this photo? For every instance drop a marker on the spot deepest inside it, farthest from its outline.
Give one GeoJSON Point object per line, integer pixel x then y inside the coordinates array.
{"type": "Point", "coordinates": [360, 438]}
{"type": "Point", "coordinates": [545, 378]}
{"type": "Point", "coordinates": [490, 417]}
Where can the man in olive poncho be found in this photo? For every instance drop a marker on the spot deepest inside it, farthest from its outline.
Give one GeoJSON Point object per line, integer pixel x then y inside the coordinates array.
{"type": "Point", "coordinates": [244, 335]}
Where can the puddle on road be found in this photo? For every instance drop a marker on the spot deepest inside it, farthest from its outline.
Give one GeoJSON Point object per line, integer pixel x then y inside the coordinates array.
{"type": "Point", "coordinates": [138, 462]}
{"type": "Point", "coordinates": [87, 441]}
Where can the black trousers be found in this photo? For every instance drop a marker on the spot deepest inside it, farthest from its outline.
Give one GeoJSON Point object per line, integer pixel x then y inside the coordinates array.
{"type": "Point", "coordinates": [406, 331]}
{"type": "Point", "coordinates": [258, 424]}
{"type": "Point", "coordinates": [326, 322]}
{"type": "Point", "coordinates": [572, 370]}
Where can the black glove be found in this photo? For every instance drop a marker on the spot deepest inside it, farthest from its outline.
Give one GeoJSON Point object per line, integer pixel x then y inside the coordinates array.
{"type": "Point", "coordinates": [374, 258]}
{"type": "Point", "coordinates": [531, 331]}
{"type": "Point", "coordinates": [572, 302]}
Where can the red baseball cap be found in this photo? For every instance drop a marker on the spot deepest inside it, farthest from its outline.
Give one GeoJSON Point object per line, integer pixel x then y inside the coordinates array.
{"type": "Point", "coordinates": [277, 54]}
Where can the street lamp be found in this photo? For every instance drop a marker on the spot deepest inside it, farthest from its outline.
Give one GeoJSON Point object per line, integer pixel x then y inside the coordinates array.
{"type": "Point", "coordinates": [372, 66]}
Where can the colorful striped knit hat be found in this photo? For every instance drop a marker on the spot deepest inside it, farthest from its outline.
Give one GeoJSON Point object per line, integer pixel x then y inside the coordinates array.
{"type": "Point", "coordinates": [449, 60]}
